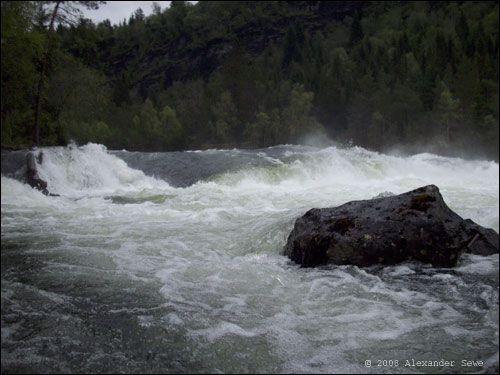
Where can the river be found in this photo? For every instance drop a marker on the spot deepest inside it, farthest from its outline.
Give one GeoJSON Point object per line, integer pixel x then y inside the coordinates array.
{"type": "Point", "coordinates": [173, 263]}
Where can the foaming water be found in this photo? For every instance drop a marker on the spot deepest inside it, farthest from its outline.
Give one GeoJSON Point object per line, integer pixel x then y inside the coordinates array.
{"type": "Point", "coordinates": [171, 262]}
{"type": "Point", "coordinates": [90, 170]}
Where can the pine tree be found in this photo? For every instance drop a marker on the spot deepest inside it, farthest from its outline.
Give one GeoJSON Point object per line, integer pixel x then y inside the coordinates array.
{"type": "Point", "coordinates": [356, 31]}
{"type": "Point", "coordinates": [225, 118]}
{"type": "Point", "coordinates": [170, 130]}
{"type": "Point", "coordinates": [448, 109]}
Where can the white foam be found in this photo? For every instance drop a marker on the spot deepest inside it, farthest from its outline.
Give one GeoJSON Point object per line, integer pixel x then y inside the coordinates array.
{"type": "Point", "coordinates": [399, 271]}
{"type": "Point", "coordinates": [224, 329]}
{"type": "Point", "coordinates": [477, 264]}
{"type": "Point", "coordinates": [90, 170]}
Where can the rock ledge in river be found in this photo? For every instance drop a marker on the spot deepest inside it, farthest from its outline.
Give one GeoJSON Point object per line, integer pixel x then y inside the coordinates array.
{"type": "Point", "coordinates": [417, 225]}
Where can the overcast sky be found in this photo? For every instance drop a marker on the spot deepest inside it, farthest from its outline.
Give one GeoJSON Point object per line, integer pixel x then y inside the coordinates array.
{"type": "Point", "coordinates": [117, 11]}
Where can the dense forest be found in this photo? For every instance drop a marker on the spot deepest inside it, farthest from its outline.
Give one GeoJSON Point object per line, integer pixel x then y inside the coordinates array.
{"type": "Point", "coordinates": [253, 74]}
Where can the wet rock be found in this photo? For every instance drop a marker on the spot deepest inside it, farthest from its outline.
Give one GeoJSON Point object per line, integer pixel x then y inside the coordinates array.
{"type": "Point", "coordinates": [32, 178]}
{"type": "Point", "coordinates": [417, 225]}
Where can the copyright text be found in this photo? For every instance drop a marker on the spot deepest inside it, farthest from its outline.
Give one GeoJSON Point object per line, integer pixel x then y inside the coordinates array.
{"type": "Point", "coordinates": [422, 363]}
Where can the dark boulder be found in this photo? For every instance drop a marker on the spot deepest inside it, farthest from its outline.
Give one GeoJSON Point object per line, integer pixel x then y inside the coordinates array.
{"type": "Point", "coordinates": [32, 178]}
{"type": "Point", "coordinates": [417, 225]}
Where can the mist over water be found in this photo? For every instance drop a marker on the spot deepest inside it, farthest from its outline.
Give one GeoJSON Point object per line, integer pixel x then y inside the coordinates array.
{"type": "Point", "coordinates": [172, 262]}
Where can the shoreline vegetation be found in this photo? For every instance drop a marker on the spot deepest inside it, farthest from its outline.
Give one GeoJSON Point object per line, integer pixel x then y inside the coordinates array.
{"type": "Point", "coordinates": [417, 76]}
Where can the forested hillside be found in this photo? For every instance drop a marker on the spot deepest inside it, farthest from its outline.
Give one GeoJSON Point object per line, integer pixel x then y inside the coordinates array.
{"type": "Point", "coordinates": [255, 74]}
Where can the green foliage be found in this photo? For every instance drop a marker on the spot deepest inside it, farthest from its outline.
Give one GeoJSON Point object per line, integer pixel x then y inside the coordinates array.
{"type": "Point", "coordinates": [296, 117]}
{"type": "Point", "coordinates": [225, 117]}
{"type": "Point", "coordinates": [261, 133]}
{"type": "Point", "coordinates": [448, 109]}
{"type": "Point", "coordinates": [356, 31]}
{"type": "Point", "coordinates": [170, 129]}
{"type": "Point", "coordinates": [78, 95]}
{"type": "Point", "coordinates": [22, 46]}
{"type": "Point", "coordinates": [84, 132]}
{"type": "Point", "coordinates": [255, 74]}
{"type": "Point", "coordinates": [147, 128]}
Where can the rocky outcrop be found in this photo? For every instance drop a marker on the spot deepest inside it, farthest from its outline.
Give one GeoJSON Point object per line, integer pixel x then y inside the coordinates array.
{"type": "Point", "coordinates": [417, 225]}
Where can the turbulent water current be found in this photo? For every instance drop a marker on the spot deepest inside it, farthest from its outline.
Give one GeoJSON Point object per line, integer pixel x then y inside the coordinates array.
{"type": "Point", "coordinates": [173, 263]}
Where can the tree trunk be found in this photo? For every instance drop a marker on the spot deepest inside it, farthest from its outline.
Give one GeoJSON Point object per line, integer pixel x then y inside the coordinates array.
{"type": "Point", "coordinates": [41, 82]}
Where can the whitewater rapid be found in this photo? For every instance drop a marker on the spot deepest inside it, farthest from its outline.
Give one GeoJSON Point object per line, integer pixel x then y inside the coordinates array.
{"type": "Point", "coordinates": [172, 262]}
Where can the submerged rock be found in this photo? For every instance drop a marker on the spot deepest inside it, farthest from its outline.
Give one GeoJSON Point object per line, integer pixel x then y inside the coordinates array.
{"type": "Point", "coordinates": [417, 225]}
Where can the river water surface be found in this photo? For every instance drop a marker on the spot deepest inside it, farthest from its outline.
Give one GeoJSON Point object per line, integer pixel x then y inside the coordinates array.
{"type": "Point", "coordinates": [172, 263]}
